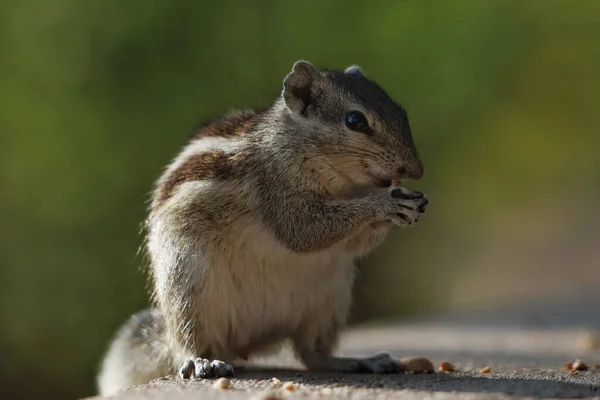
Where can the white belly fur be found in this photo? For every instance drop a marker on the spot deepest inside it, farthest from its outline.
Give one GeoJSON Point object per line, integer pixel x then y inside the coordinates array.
{"type": "Point", "coordinates": [249, 290]}
{"type": "Point", "coordinates": [258, 291]}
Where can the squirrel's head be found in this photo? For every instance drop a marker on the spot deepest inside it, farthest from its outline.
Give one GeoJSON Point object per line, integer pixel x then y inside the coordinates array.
{"type": "Point", "coordinates": [353, 123]}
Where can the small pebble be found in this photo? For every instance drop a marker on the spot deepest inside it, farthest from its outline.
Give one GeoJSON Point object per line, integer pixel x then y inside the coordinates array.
{"type": "Point", "coordinates": [222, 383]}
{"type": "Point", "coordinates": [446, 366]}
{"type": "Point", "coordinates": [485, 370]}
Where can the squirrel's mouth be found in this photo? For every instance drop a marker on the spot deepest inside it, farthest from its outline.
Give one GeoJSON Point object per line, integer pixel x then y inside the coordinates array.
{"type": "Point", "coordinates": [379, 182]}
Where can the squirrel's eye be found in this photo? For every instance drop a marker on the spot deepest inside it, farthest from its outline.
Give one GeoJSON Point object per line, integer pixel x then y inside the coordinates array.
{"type": "Point", "coordinates": [357, 122]}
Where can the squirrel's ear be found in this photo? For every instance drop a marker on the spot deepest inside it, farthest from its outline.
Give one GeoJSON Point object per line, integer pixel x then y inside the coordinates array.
{"type": "Point", "coordinates": [354, 70]}
{"type": "Point", "coordinates": [297, 85]}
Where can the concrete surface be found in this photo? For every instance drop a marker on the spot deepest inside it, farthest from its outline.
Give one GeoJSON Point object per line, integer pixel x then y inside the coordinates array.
{"type": "Point", "coordinates": [527, 348]}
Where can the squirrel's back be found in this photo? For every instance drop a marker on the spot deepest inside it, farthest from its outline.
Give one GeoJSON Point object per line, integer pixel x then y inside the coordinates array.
{"type": "Point", "coordinates": [230, 125]}
{"type": "Point", "coordinates": [212, 152]}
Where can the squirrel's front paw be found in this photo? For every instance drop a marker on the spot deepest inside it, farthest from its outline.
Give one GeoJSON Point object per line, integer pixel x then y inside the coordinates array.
{"type": "Point", "coordinates": [406, 205]}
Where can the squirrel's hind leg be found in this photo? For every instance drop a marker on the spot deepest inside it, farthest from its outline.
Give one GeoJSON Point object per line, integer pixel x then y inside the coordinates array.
{"type": "Point", "coordinates": [381, 363]}
{"type": "Point", "coordinates": [315, 341]}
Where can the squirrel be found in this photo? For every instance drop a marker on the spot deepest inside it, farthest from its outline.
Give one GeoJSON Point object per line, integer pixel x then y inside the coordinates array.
{"type": "Point", "coordinates": [254, 228]}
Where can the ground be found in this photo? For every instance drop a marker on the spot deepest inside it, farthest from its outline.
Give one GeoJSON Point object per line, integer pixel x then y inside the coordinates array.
{"type": "Point", "coordinates": [526, 347]}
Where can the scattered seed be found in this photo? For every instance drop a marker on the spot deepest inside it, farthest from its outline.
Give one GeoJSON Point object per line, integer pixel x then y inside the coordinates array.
{"type": "Point", "coordinates": [290, 386]}
{"type": "Point", "coordinates": [417, 364]}
{"type": "Point", "coordinates": [446, 366]}
{"type": "Point", "coordinates": [485, 370]}
{"type": "Point", "coordinates": [569, 365]}
{"type": "Point", "coordinates": [580, 365]}
{"type": "Point", "coordinates": [222, 383]}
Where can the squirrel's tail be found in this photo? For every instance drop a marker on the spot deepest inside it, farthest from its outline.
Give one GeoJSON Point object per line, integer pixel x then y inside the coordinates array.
{"type": "Point", "coordinates": [136, 355]}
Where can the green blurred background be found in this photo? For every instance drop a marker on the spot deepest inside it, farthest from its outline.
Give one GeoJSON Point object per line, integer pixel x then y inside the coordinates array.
{"type": "Point", "coordinates": [98, 95]}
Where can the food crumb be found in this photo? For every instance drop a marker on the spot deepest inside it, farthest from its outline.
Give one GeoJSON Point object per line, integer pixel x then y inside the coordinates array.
{"type": "Point", "coordinates": [222, 383]}
{"type": "Point", "coordinates": [569, 365]}
{"type": "Point", "coordinates": [446, 366]}
{"type": "Point", "coordinates": [290, 386]}
{"type": "Point", "coordinates": [580, 365]}
{"type": "Point", "coordinates": [485, 370]}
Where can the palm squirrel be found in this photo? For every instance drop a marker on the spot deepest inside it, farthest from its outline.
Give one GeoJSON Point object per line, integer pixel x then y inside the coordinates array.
{"type": "Point", "coordinates": [254, 227]}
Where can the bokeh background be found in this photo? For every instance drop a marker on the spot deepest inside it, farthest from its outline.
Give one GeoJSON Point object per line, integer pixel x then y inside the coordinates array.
{"type": "Point", "coordinates": [98, 95]}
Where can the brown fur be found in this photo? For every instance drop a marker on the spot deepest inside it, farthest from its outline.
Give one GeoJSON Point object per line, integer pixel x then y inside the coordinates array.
{"type": "Point", "coordinates": [231, 125]}
{"type": "Point", "coordinates": [216, 164]}
{"type": "Point", "coordinates": [256, 225]}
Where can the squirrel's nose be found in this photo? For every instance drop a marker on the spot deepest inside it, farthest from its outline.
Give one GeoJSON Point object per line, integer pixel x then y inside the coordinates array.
{"type": "Point", "coordinates": [414, 171]}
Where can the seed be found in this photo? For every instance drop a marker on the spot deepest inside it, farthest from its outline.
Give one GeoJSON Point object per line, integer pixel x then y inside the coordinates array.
{"type": "Point", "coordinates": [290, 386]}
{"type": "Point", "coordinates": [446, 366]}
{"type": "Point", "coordinates": [580, 365]}
{"type": "Point", "coordinates": [222, 383]}
{"type": "Point", "coordinates": [417, 364]}
{"type": "Point", "coordinates": [485, 370]}
{"type": "Point", "coordinates": [569, 365]}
